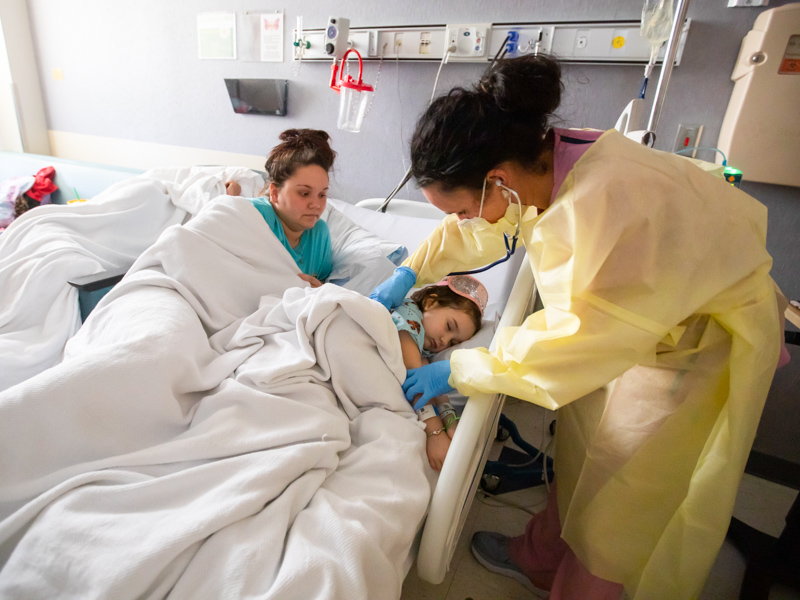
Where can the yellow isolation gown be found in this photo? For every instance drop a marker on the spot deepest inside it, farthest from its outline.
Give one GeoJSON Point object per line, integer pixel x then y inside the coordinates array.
{"type": "Point", "coordinates": [657, 344]}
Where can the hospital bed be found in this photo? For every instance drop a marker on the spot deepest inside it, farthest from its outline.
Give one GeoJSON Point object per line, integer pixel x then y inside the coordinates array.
{"type": "Point", "coordinates": [511, 292]}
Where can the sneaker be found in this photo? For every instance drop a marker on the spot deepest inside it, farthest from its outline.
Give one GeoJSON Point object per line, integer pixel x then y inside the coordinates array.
{"type": "Point", "coordinates": [491, 550]}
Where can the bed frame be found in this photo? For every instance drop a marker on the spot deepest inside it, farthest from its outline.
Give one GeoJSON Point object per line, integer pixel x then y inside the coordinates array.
{"type": "Point", "coordinates": [477, 428]}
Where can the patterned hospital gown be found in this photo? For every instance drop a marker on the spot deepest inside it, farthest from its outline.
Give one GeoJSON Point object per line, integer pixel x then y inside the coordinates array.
{"type": "Point", "coordinates": [408, 317]}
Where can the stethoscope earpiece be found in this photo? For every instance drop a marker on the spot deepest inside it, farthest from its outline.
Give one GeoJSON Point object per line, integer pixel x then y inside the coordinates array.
{"type": "Point", "coordinates": [510, 249]}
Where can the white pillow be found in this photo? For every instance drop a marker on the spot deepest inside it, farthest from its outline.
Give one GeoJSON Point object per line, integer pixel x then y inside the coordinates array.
{"type": "Point", "coordinates": [361, 260]}
{"type": "Point", "coordinates": [482, 339]}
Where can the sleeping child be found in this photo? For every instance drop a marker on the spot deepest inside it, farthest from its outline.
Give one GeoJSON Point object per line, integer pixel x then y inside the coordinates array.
{"type": "Point", "coordinates": [430, 321]}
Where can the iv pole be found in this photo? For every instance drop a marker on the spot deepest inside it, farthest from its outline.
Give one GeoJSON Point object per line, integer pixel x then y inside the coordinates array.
{"type": "Point", "coordinates": [649, 136]}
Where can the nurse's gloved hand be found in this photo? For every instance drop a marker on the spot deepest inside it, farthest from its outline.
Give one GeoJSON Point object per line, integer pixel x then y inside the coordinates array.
{"type": "Point", "coordinates": [392, 291]}
{"type": "Point", "coordinates": [430, 381]}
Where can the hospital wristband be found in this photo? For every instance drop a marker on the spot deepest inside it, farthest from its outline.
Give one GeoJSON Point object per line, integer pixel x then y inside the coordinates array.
{"type": "Point", "coordinates": [426, 412]}
{"type": "Point", "coordinates": [447, 414]}
{"type": "Point", "coordinates": [448, 418]}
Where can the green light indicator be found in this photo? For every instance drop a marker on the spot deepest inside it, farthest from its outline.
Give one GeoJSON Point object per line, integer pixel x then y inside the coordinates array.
{"type": "Point", "coordinates": [733, 176]}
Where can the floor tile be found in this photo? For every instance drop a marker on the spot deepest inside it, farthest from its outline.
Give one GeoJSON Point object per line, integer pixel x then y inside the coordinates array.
{"type": "Point", "coordinates": [726, 575]}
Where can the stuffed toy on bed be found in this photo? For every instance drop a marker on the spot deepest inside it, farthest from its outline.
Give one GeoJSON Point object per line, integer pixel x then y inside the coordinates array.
{"type": "Point", "coordinates": [20, 194]}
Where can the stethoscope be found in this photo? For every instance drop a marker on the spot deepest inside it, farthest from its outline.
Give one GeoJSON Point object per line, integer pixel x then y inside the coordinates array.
{"type": "Point", "coordinates": [512, 248]}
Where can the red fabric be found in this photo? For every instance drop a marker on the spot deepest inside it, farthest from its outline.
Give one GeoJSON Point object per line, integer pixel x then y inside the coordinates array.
{"type": "Point", "coordinates": [43, 184]}
{"type": "Point", "coordinates": [785, 357]}
{"type": "Point", "coordinates": [549, 563]}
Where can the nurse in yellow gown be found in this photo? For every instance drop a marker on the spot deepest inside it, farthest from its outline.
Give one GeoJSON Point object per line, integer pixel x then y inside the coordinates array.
{"type": "Point", "coordinates": [657, 343]}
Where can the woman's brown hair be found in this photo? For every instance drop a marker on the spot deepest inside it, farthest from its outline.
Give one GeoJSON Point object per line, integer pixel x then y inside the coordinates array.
{"type": "Point", "coordinates": [298, 148]}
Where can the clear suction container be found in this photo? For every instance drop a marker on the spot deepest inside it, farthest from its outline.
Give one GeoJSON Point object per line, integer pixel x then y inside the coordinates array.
{"type": "Point", "coordinates": [354, 94]}
{"type": "Point", "coordinates": [353, 103]}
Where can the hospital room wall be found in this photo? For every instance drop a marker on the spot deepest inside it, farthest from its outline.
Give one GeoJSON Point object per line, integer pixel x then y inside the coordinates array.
{"type": "Point", "coordinates": [133, 91]}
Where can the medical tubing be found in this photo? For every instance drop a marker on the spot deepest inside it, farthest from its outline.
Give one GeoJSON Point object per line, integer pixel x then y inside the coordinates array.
{"type": "Point", "coordinates": [643, 88]}
{"type": "Point", "coordinates": [382, 208]}
{"type": "Point", "coordinates": [668, 64]}
{"type": "Point", "coordinates": [724, 158]}
{"type": "Point", "coordinates": [509, 253]}
{"type": "Point", "coordinates": [439, 72]}
{"type": "Point", "coordinates": [501, 50]}
{"type": "Point", "coordinates": [377, 81]}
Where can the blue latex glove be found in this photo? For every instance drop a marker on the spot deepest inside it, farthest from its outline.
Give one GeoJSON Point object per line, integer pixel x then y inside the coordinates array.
{"type": "Point", "coordinates": [430, 381]}
{"type": "Point", "coordinates": [392, 291]}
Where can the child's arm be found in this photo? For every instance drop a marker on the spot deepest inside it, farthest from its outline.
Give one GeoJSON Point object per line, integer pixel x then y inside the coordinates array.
{"type": "Point", "coordinates": [438, 441]}
{"type": "Point", "coordinates": [411, 356]}
{"type": "Point", "coordinates": [447, 414]}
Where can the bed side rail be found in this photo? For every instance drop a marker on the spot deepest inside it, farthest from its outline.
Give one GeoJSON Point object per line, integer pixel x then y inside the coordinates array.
{"type": "Point", "coordinates": [467, 455]}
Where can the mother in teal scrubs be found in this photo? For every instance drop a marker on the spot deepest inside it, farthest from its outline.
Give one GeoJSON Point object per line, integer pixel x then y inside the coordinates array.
{"type": "Point", "coordinates": [293, 201]}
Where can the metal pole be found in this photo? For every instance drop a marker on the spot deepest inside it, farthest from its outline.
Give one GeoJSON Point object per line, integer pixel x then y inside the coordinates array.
{"type": "Point", "coordinates": [666, 66]}
{"type": "Point", "coordinates": [382, 208]}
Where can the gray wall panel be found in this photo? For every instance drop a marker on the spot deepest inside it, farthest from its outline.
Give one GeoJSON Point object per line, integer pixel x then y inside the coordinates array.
{"type": "Point", "coordinates": [131, 71]}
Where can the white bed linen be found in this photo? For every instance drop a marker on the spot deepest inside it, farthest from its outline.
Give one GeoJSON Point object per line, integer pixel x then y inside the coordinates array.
{"type": "Point", "coordinates": [46, 247]}
{"type": "Point", "coordinates": [206, 439]}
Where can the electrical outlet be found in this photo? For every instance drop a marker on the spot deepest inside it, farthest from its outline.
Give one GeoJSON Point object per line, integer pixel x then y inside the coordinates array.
{"type": "Point", "coordinates": [425, 42]}
{"type": "Point", "coordinates": [582, 39]}
{"type": "Point", "coordinates": [688, 137]}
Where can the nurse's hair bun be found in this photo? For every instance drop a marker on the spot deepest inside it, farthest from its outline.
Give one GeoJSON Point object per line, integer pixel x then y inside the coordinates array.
{"type": "Point", "coordinates": [528, 86]}
{"type": "Point", "coordinates": [505, 117]}
{"type": "Point", "coordinates": [299, 148]}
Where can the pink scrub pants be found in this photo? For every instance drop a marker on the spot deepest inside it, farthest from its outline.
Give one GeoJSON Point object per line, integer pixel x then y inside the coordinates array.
{"type": "Point", "coordinates": [550, 564]}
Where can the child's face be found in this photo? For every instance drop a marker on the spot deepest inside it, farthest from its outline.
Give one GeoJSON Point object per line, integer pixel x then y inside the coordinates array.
{"type": "Point", "coordinates": [445, 326]}
{"type": "Point", "coordinates": [301, 200]}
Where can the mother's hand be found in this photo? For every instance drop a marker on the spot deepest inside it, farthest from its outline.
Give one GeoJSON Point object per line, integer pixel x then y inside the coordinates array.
{"type": "Point", "coordinates": [315, 283]}
{"type": "Point", "coordinates": [232, 188]}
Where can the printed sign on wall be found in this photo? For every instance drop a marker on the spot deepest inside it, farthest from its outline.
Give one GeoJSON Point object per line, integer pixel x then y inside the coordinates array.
{"type": "Point", "coordinates": [216, 35]}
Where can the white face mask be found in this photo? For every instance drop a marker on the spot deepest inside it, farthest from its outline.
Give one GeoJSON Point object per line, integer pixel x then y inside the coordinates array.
{"type": "Point", "coordinates": [476, 224]}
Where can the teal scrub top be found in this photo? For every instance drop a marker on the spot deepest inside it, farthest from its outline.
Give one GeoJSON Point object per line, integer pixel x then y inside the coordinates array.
{"type": "Point", "coordinates": [314, 254]}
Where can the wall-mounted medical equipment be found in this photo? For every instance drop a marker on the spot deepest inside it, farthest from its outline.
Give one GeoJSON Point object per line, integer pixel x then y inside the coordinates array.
{"type": "Point", "coordinates": [354, 94]}
{"type": "Point", "coordinates": [468, 41]}
{"type": "Point", "coordinates": [761, 129]}
{"type": "Point", "coordinates": [258, 96]}
{"type": "Point", "coordinates": [611, 42]}
{"type": "Point", "coordinates": [336, 35]}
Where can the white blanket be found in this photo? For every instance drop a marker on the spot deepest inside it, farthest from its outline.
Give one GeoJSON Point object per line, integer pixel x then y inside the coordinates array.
{"type": "Point", "coordinates": [46, 247]}
{"type": "Point", "coordinates": [205, 439]}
